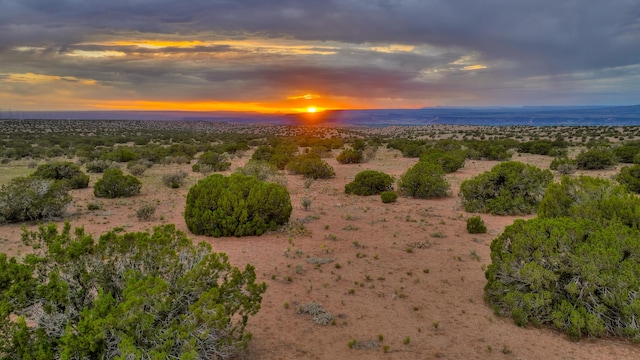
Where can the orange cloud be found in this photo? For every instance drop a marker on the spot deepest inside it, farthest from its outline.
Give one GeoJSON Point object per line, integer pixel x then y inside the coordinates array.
{"type": "Point", "coordinates": [474, 67]}
{"type": "Point", "coordinates": [394, 48]}
{"type": "Point", "coordinates": [260, 46]}
{"type": "Point", "coordinates": [305, 97]}
{"type": "Point", "coordinates": [152, 44]}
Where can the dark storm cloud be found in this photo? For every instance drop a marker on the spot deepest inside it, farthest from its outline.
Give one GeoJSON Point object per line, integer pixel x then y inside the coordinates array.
{"type": "Point", "coordinates": [569, 33]}
{"type": "Point", "coordinates": [363, 81]}
{"type": "Point", "coordinates": [551, 45]}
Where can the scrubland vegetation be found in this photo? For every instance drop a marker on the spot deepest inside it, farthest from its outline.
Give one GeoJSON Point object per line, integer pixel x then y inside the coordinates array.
{"type": "Point", "coordinates": [237, 205]}
{"type": "Point", "coordinates": [576, 266]}
{"type": "Point", "coordinates": [510, 188]}
{"type": "Point", "coordinates": [570, 260]}
{"type": "Point", "coordinates": [369, 182]}
{"type": "Point", "coordinates": [127, 295]}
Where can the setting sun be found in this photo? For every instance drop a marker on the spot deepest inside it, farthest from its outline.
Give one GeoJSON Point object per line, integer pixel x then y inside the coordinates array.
{"type": "Point", "coordinates": [311, 109]}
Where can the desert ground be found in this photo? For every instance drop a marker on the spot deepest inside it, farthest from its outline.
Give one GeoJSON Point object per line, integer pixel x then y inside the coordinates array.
{"type": "Point", "coordinates": [402, 280]}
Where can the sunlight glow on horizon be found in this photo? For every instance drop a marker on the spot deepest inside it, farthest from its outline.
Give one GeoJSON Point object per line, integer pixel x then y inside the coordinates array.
{"type": "Point", "coordinates": [267, 108]}
{"type": "Point", "coordinates": [305, 101]}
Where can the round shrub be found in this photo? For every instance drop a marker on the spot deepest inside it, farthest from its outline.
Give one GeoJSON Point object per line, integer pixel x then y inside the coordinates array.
{"type": "Point", "coordinates": [448, 145]}
{"type": "Point", "coordinates": [540, 147]}
{"type": "Point", "coordinates": [66, 171]}
{"type": "Point", "coordinates": [388, 197]}
{"type": "Point", "coordinates": [629, 176]}
{"type": "Point", "coordinates": [145, 212]}
{"type": "Point", "coordinates": [265, 171]}
{"type": "Point", "coordinates": [144, 162]}
{"type": "Point", "coordinates": [566, 169]}
{"type": "Point", "coordinates": [100, 166]}
{"type": "Point", "coordinates": [560, 161]}
{"type": "Point", "coordinates": [596, 199]}
{"type": "Point", "coordinates": [510, 188]}
{"type": "Point", "coordinates": [137, 170]}
{"type": "Point", "coordinates": [490, 150]}
{"type": "Point", "coordinates": [32, 198]}
{"type": "Point", "coordinates": [115, 184]}
{"type": "Point", "coordinates": [450, 160]}
{"type": "Point", "coordinates": [424, 180]}
{"type": "Point", "coordinates": [358, 145]}
{"type": "Point", "coordinates": [350, 156]}
{"type": "Point", "coordinates": [174, 180]}
{"type": "Point", "coordinates": [258, 168]}
{"type": "Point", "coordinates": [563, 165]}
{"type": "Point", "coordinates": [311, 166]}
{"type": "Point", "coordinates": [322, 151]}
{"type": "Point", "coordinates": [236, 205]}
{"type": "Point", "coordinates": [409, 148]}
{"type": "Point", "coordinates": [369, 182]}
{"type": "Point", "coordinates": [121, 154]}
{"type": "Point", "coordinates": [212, 161]}
{"type": "Point", "coordinates": [264, 153]}
{"type": "Point", "coordinates": [475, 225]}
{"type": "Point", "coordinates": [595, 159]}
{"type": "Point", "coordinates": [627, 153]}
{"type": "Point", "coordinates": [278, 155]}
{"type": "Point", "coordinates": [572, 274]}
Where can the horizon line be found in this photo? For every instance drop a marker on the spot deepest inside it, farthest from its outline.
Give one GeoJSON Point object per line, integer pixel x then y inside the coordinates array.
{"type": "Point", "coordinates": [325, 110]}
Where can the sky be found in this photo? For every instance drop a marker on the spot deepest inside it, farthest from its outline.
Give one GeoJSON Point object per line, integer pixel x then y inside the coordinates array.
{"type": "Point", "coordinates": [299, 55]}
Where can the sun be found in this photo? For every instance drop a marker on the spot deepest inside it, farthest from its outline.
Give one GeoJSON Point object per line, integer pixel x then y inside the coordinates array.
{"type": "Point", "coordinates": [311, 109]}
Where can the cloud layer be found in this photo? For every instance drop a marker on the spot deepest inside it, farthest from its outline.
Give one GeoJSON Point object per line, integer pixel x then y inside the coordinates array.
{"type": "Point", "coordinates": [267, 55]}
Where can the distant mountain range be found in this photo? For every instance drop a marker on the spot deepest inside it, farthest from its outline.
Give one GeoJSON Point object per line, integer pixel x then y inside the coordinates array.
{"type": "Point", "coordinates": [485, 116]}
